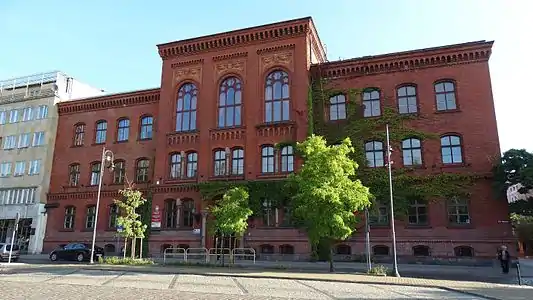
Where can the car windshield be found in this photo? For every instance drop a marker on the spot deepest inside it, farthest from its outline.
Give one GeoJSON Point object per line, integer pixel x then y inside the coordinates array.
{"type": "Point", "coordinates": [7, 247]}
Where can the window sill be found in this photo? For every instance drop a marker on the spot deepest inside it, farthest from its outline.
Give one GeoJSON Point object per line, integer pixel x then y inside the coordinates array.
{"type": "Point", "coordinates": [272, 175]}
{"type": "Point", "coordinates": [457, 165]}
{"type": "Point", "coordinates": [180, 181]}
{"type": "Point", "coordinates": [228, 128]}
{"type": "Point", "coordinates": [144, 140]}
{"type": "Point", "coordinates": [387, 226]}
{"type": "Point", "coordinates": [414, 226]}
{"type": "Point", "coordinates": [66, 230]}
{"type": "Point", "coordinates": [448, 111]}
{"type": "Point", "coordinates": [230, 177]}
{"type": "Point", "coordinates": [460, 226]}
{"type": "Point", "coordinates": [87, 230]}
{"type": "Point", "coordinates": [77, 146]}
{"type": "Point", "coordinates": [110, 230]}
{"type": "Point", "coordinates": [183, 132]}
{"type": "Point", "coordinates": [98, 144]}
{"type": "Point", "coordinates": [121, 142]}
{"type": "Point", "coordinates": [275, 124]}
{"type": "Point", "coordinates": [177, 229]}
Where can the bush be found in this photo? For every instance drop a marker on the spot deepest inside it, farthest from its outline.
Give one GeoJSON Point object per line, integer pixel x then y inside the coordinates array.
{"type": "Point", "coordinates": [114, 260]}
{"type": "Point", "coordinates": [379, 270]}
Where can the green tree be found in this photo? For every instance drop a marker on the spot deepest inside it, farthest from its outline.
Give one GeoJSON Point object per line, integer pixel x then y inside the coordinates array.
{"type": "Point", "coordinates": [132, 227]}
{"type": "Point", "coordinates": [327, 195]}
{"type": "Point", "coordinates": [231, 213]}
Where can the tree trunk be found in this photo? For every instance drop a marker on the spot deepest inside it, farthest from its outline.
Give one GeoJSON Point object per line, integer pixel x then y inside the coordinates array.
{"type": "Point", "coordinates": [133, 242]}
{"type": "Point", "coordinates": [222, 249]}
{"type": "Point", "coordinates": [331, 267]}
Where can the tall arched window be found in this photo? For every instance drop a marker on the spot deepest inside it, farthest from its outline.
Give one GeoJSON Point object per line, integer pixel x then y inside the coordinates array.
{"type": "Point", "coordinates": [141, 170]}
{"type": "Point", "coordinates": [186, 107]}
{"type": "Point", "coordinates": [287, 159]}
{"type": "Point", "coordinates": [101, 132]}
{"type": "Point", "coordinates": [175, 166]}
{"type": "Point", "coordinates": [192, 164]}
{"type": "Point", "coordinates": [90, 217]}
{"type": "Point", "coordinates": [277, 97]}
{"type": "Point", "coordinates": [70, 216]}
{"type": "Point", "coordinates": [79, 134]}
{"type": "Point", "coordinates": [374, 154]}
{"type": "Point", "coordinates": [267, 159]}
{"type": "Point", "coordinates": [371, 103]}
{"type": "Point", "coordinates": [229, 104]}
{"type": "Point", "coordinates": [95, 173]}
{"type": "Point", "coordinates": [74, 174]}
{"type": "Point", "coordinates": [237, 162]}
{"type": "Point", "coordinates": [451, 149]}
{"type": "Point", "coordinates": [123, 130]}
{"type": "Point", "coordinates": [412, 152]}
{"type": "Point", "coordinates": [119, 172]}
{"type": "Point", "coordinates": [188, 211]}
{"type": "Point", "coordinates": [147, 123]}
{"type": "Point", "coordinates": [219, 163]}
{"type": "Point", "coordinates": [113, 216]}
{"type": "Point", "coordinates": [445, 95]}
{"type": "Point", "coordinates": [407, 99]}
{"type": "Point", "coordinates": [337, 107]}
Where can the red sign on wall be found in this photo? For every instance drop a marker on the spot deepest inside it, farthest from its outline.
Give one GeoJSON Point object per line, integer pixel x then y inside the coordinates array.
{"type": "Point", "coordinates": [156, 217]}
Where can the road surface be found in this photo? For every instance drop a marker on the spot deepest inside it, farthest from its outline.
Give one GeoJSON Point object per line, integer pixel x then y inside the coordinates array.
{"type": "Point", "coordinates": [65, 283]}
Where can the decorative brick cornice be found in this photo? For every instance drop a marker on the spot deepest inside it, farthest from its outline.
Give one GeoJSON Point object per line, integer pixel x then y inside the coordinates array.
{"type": "Point", "coordinates": [276, 49]}
{"type": "Point", "coordinates": [188, 187]}
{"type": "Point", "coordinates": [237, 38]}
{"type": "Point", "coordinates": [405, 61]}
{"type": "Point", "coordinates": [109, 101]}
{"type": "Point", "coordinates": [187, 63]}
{"type": "Point", "coordinates": [230, 56]}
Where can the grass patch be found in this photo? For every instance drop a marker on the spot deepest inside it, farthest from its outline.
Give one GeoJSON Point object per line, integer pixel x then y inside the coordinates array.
{"type": "Point", "coordinates": [113, 260]}
{"type": "Point", "coordinates": [378, 270]}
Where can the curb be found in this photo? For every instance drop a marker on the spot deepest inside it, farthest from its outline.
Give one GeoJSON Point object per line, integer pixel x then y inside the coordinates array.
{"type": "Point", "coordinates": [237, 275]}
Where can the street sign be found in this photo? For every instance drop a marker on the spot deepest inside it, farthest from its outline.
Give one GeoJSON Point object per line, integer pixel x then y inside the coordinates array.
{"type": "Point", "coordinates": [120, 228]}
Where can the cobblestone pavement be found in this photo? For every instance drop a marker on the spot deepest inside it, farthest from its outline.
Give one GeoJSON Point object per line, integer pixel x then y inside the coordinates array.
{"type": "Point", "coordinates": [99, 284]}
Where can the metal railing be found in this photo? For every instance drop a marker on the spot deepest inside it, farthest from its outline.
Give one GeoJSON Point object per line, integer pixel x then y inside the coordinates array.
{"type": "Point", "coordinates": [174, 252]}
{"type": "Point", "coordinates": [197, 252]}
{"type": "Point", "coordinates": [206, 255]}
{"type": "Point", "coordinates": [245, 253]}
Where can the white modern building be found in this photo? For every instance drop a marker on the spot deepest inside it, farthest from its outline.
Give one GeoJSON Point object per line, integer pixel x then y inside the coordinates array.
{"type": "Point", "coordinates": [28, 122]}
{"type": "Point", "coordinates": [514, 195]}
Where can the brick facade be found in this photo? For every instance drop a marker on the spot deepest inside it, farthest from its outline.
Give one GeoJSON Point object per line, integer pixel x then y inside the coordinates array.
{"type": "Point", "coordinates": [198, 68]}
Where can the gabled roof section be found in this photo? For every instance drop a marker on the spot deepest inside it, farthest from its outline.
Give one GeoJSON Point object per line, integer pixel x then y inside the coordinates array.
{"type": "Point", "coordinates": [117, 100]}
{"type": "Point", "coordinates": [240, 37]}
{"type": "Point", "coordinates": [408, 60]}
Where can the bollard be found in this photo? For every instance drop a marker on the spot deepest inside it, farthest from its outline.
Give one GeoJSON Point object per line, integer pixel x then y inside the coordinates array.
{"type": "Point", "coordinates": [518, 274]}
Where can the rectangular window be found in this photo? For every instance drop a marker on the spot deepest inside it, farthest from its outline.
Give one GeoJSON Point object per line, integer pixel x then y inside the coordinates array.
{"type": "Point", "coordinates": [3, 117]}
{"type": "Point", "coordinates": [5, 169]}
{"type": "Point", "coordinates": [38, 139]}
{"type": "Point", "coordinates": [20, 168]}
{"type": "Point", "coordinates": [35, 167]}
{"type": "Point", "coordinates": [13, 116]}
{"type": "Point", "coordinates": [10, 142]}
{"type": "Point", "coordinates": [27, 114]}
{"type": "Point", "coordinates": [24, 140]}
{"type": "Point", "coordinates": [42, 112]}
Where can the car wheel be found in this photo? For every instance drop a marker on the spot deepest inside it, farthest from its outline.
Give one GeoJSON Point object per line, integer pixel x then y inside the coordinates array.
{"type": "Point", "coordinates": [80, 257]}
{"type": "Point", "coordinates": [53, 257]}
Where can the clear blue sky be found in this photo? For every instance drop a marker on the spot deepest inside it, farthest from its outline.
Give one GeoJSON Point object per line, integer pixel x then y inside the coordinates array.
{"type": "Point", "coordinates": [111, 44]}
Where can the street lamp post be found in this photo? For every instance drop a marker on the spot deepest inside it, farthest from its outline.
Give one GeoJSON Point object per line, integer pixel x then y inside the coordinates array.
{"type": "Point", "coordinates": [389, 165]}
{"type": "Point", "coordinates": [107, 156]}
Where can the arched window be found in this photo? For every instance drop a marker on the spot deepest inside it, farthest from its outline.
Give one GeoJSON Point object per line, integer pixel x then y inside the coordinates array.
{"type": "Point", "coordinates": [123, 130]}
{"type": "Point", "coordinates": [70, 216]}
{"type": "Point", "coordinates": [458, 212]}
{"type": "Point", "coordinates": [407, 99]}
{"type": "Point", "coordinates": [74, 174]}
{"type": "Point", "coordinates": [418, 213]}
{"type": "Point", "coordinates": [451, 149]}
{"type": "Point", "coordinates": [267, 159]}
{"type": "Point", "coordinates": [188, 211]}
{"type": "Point", "coordinates": [371, 102]}
{"type": "Point", "coordinates": [219, 163]}
{"type": "Point", "coordinates": [380, 250]}
{"type": "Point", "coordinates": [186, 108]}
{"type": "Point", "coordinates": [464, 251]}
{"type": "Point", "coordinates": [170, 213]}
{"type": "Point", "coordinates": [421, 250]}
{"type": "Point", "coordinates": [445, 95]}
{"type": "Point", "coordinates": [267, 249]}
{"type": "Point", "coordinates": [79, 134]}
{"type": "Point", "coordinates": [237, 161]}
{"type": "Point", "coordinates": [287, 159]}
{"type": "Point", "coordinates": [343, 249]}
{"type": "Point", "coordinates": [379, 216]}
{"type": "Point", "coordinates": [277, 97]}
{"type": "Point", "coordinates": [101, 132]}
{"type": "Point", "coordinates": [269, 213]}
{"type": "Point", "coordinates": [374, 154]}
{"type": "Point", "coordinates": [164, 247]}
{"type": "Point", "coordinates": [119, 172]}
{"type": "Point", "coordinates": [286, 249]}
{"type": "Point", "coordinates": [90, 217]}
{"type": "Point", "coordinates": [113, 216]}
{"type": "Point", "coordinates": [412, 152]}
{"type": "Point", "coordinates": [192, 164]}
{"type": "Point", "coordinates": [141, 170]}
{"type": "Point", "coordinates": [147, 123]}
{"type": "Point", "coordinates": [229, 103]}
{"type": "Point", "coordinates": [337, 107]}
{"type": "Point", "coordinates": [175, 166]}
{"type": "Point", "coordinates": [95, 173]}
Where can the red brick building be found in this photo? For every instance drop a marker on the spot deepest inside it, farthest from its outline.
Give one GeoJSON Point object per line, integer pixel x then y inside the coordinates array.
{"type": "Point", "coordinates": [226, 99]}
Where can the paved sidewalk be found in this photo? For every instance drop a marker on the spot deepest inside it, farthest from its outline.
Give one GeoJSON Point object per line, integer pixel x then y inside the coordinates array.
{"type": "Point", "coordinates": [484, 289]}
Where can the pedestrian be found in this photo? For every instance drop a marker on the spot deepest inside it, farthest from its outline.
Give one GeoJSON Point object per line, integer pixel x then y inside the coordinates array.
{"type": "Point", "coordinates": [504, 258]}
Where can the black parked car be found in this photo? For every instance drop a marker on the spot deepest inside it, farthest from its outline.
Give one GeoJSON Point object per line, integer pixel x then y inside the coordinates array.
{"type": "Point", "coordinates": [76, 251]}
